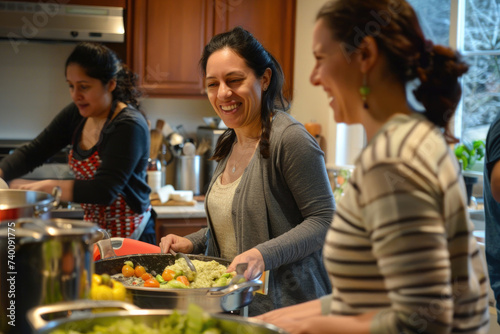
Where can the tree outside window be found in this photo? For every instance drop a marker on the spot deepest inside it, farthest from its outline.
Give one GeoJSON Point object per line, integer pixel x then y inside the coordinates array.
{"type": "Point", "coordinates": [478, 31]}
{"type": "Point", "coordinates": [481, 84]}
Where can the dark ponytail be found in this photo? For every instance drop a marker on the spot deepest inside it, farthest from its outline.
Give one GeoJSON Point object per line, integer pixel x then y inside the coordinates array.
{"type": "Point", "coordinates": [244, 44]}
{"type": "Point", "coordinates": [126, 87]}
{"type": "Point", "coordinates": [395, 27]}
{"type": "Point", "coordinates": [439, 90]}
{"type": "Point", "coordinates": [99, 62]}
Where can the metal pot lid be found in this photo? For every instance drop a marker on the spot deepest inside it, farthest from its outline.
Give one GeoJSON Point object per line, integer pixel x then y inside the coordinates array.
{"type": "Point", "coordinates": [13, 199]}
{"type": "Point", "coordinates": [38, 229]}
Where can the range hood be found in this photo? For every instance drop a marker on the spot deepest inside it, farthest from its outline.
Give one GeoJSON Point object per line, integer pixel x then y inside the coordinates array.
{"type": "Point", "coordinates": [23, 21]}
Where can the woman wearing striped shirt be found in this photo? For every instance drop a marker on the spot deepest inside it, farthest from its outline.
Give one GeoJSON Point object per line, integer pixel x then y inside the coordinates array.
{"type": "Point", "coordinates": [400, 251]}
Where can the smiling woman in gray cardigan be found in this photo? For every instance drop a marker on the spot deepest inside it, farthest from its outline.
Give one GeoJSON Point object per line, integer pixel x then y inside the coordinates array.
{"type": "Point", "coordinates": [269, 203]}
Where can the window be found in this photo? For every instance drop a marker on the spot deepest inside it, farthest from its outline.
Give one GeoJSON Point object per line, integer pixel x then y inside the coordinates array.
{"type": "Point", "coordinates": [481, 84]}
{"type": "Point", "coordinates": [472, 27]}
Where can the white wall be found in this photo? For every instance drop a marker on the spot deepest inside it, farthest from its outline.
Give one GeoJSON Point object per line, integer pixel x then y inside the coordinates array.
{"type": "Point", "coordinates": [343, 143]}
{"type": "Point", "coordinates": [33, 90]}
{"type": "Point", "coordinates": [310, 104]}
{"type": "Point", "coordinates": [32, 87]}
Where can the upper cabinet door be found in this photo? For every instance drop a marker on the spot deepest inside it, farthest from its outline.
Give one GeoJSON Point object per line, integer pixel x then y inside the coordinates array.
{"type": "Point", "coordinates": [168, 37]}
{"type": "Point", "coordinates": [272, 22]}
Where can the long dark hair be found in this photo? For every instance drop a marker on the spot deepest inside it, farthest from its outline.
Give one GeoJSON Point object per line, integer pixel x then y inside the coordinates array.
{"type": "Point", "coordinates": [395, 27]}
{"type": "Point", "coordinates": [99, 62]}
{"type": "Point", "coordinates": [244, 44]}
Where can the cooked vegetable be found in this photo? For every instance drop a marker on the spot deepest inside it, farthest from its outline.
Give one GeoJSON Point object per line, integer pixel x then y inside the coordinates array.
{"type": "Point", "coordinates": [174, 284]}
{"type": "Point", "coordinates": [224, 280]}
{"type": "Point", "coordinates": [146, 276]}
{"type": "Point", "coordinates": [139, 271]}
{"type": "Point", "coordinates": [160, 279]}
{"type": "Point", "coordinates": [183, 280]}
{"type": "Point", "coordinates": [152, 283]}
{"type": "Point", "coordinates": [168, 274]}
{"type": "Point", "coordinates": [195, 321]}
{"type": "Point", "coordinates": [209, 274]}
{"type": "Point", "coordinates": [128, 271]}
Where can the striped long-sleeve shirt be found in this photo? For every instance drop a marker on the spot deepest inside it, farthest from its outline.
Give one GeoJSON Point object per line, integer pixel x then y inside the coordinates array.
{"type": "Point", "coordinates": [401, 241]}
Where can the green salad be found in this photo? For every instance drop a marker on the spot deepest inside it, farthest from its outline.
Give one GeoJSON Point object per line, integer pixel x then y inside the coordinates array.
{"type": "Point", "coordinates": [195, 321]}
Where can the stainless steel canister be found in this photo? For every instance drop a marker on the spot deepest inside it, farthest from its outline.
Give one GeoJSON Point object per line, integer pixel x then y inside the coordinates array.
{"type": "Point", "coordinates": [190, 171]}
{"type": "Point", "coordinates": [42, 262]}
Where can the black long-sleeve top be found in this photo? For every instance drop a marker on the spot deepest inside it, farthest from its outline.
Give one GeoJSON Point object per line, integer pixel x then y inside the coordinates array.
{"type": "Point", "coordinates": [123, 149]}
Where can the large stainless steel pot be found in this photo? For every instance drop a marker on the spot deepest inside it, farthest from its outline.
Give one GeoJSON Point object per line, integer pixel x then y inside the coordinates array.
{"type": "Point", "coordinates": [219, 299]}
{"type": "Point", "coordinates": [15, 204]}
{"type": "Point", "coordinates": [43, 262]}
{"type": "Point", "coordinates": [84, 321]}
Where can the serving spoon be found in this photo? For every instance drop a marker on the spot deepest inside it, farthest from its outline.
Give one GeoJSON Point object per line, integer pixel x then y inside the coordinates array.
{"type": "Point", "coordinates": [178, 255]}
{"type": "Point", "coordinates": [240, 270]}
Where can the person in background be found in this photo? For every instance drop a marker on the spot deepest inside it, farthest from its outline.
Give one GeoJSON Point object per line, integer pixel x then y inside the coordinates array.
{"type": "Point", "coordinates": [269, 203]}
{"type": "Point", "coordinates": [491, 193]}
{"type": "Point", "coordinates": [109, 140]}
{"type": "Point", "coordinates": [400, 251]}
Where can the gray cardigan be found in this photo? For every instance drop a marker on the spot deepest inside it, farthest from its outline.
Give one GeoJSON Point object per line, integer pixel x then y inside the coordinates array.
{"type": "Point", "coordinates": [283, 206]}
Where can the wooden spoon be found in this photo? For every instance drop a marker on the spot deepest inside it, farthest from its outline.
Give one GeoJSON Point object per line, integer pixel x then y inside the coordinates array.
{"type": "Point", "coordinates": [155, 145]}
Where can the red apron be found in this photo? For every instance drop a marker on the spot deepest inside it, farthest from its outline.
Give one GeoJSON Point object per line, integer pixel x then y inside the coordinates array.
{"type": "Point", "coordinates": [118, 218]}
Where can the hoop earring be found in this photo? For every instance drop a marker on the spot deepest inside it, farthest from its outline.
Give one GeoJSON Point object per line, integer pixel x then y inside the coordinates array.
{"type": "Point", "coordinates": [364, 90]}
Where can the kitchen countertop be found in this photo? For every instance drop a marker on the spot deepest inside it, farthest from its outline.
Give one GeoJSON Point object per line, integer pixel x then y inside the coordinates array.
{"type": "Point", "coordinates": [193, 211]}
{"type": "Point", "coordinates": [164, 212]}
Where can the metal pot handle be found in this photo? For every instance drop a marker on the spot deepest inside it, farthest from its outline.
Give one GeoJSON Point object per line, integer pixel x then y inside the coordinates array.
{"type": "Point", "coordinates": [104, 245]}
{"type": "Point", "coordinates": [255, 284]}
{"type": "Point", "coordinates": [56, 193]}
{"type": "Point", "coordinates": [35, 319]}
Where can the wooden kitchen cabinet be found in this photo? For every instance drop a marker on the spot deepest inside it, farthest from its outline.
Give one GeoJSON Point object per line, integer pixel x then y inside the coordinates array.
{"type": "Point", "coordinates": [272, 22]}
{"type": "Point", "coordinates": [111, 3]}
{"type": "Point", "coordinates": [179, 226]}
{"type": "Point", "coordinates": [167, 38]}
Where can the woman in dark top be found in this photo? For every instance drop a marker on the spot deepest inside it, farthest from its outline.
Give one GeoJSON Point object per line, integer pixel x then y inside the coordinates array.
{"type": "Point", "coordinates": [109, 140]}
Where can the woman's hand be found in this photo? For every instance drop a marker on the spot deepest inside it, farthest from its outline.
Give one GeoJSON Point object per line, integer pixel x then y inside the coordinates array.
{"type": "Point", "coordinates": [177, 243]}
{"type": "Point", "coordinates": [46, 186]}
{"type": "Point", "coordinates": [306, 318]}
{"type": "Point", "coordinates": [316, 325]}
{"type": "Point", "coordinates": [255, 262]}
{"type": "Point", "coordinates": [293, 318]}
{"type": "Point", "coordinates": [297, 312]}
{"type": "Point", "coordinates": [21, 184]}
